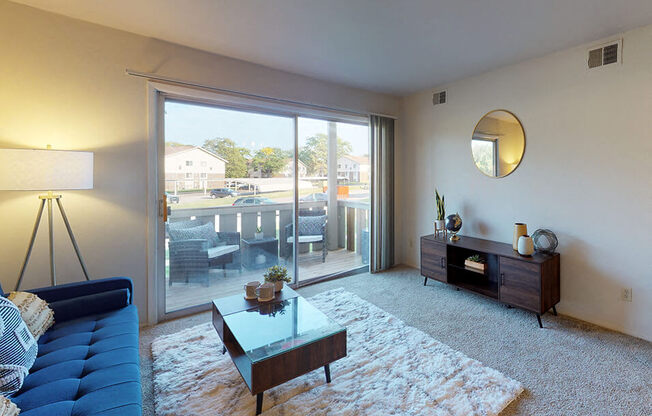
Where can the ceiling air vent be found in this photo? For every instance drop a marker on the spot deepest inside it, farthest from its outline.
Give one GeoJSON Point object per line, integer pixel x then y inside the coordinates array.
{"type": "Point", "coordinates": [439, 98]}
{"type": "Point", "coordinates": [606, 54]}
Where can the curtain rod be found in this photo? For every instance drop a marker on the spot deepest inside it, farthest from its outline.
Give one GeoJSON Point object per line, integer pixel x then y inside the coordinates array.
{"type": "Point", "coordinates": [176, 81]}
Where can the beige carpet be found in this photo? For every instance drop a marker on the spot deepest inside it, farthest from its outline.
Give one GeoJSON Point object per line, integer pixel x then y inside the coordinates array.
{"type": "Point", "coordinates": [568, 368]}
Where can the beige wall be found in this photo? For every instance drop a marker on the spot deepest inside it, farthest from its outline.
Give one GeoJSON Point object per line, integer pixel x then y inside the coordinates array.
{"type": "Point", "coordinates": [586, 172]}
{"type": "Point", "coordinates": [62, 82]}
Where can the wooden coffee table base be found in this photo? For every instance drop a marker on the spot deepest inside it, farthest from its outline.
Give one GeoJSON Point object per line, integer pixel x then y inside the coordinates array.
{"type": "Point", "coordinates": [263, 374]}
{"type": "Point", "coordinates": [259, 396]}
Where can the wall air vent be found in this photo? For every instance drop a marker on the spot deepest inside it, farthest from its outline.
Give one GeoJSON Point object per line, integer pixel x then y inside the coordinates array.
{"type": "Point", "coordinates": [439, 98]}
{"type": "Point", "coordinates": [609, 53]}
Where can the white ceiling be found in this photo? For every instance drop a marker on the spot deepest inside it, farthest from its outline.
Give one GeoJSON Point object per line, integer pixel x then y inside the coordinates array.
{"type": "Point", "coordinates": [396, 47]}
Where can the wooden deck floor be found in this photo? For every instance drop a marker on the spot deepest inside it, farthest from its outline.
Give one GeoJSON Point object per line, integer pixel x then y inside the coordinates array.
{"type": "Point", "coordinates": [180, 295]}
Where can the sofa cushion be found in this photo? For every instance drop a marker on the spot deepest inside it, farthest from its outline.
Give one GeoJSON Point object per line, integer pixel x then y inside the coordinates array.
{"type": "Point", "coordinates": [86, 366]}
{"type": "Point", "coordinates": [95, 303]}
{"type": "Point", "coordinates": [17, 348]}
{"type": "Point", "coordinates": [35, 312]}
{"type": "Point", "coordinates": [7, 408]}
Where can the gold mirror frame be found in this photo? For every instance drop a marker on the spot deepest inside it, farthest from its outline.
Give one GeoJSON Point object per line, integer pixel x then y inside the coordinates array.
{"type": "Point", "coordinates": [522, 153]}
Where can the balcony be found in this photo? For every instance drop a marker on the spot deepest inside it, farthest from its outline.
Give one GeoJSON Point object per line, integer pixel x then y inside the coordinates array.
{"type": "Point", "coordinates": [347, 247]}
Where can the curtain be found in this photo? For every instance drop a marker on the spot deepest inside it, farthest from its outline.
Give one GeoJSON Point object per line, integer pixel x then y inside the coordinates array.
{"type": "Point", "coordinates": [381, 130]}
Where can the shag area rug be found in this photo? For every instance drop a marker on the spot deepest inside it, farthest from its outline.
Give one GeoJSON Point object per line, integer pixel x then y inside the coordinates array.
{"type": "Point", "coordinates": [390, 369]}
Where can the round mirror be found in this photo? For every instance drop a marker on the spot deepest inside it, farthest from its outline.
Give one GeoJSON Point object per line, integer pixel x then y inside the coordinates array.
{"type": "Point", "coordinates": [498, 143]}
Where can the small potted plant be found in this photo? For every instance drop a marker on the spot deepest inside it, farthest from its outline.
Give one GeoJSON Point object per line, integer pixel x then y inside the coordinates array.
{"type": "Point", "coordinates": [277, 275]}
{"type": "Point", "coordinates": [476, 262]}
{"type": "Point", "coordinates": [441, 213]}
{"type": "Point", "coordinates": [258, 235]}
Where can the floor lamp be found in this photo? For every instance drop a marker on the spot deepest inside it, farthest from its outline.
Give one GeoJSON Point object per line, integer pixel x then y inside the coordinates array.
{"type": "Point", "coordinates": [46, 170]}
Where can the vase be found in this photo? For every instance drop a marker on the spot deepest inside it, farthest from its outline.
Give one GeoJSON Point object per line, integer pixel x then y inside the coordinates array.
{"type": "Point", "coordinates": [278, 286]}
{"type": "Point", "coordinates": [258, 236]}
{"type": "Point", "coordinates": [439, 227]}
{"type": "Point", "coordinates": [525, 245]}
{"type": "Point", "coordinates": [519, 230]}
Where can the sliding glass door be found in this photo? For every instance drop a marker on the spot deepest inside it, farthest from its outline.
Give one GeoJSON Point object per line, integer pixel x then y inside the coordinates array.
{"type": "Point", "coordinates": [333, 214]}
{"type": "Point", "coordinates": [230, 196]}
{"type": "Point", "coordinates": [232, 177]}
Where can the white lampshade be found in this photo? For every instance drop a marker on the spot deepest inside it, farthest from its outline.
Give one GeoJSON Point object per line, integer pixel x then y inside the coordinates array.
{"type": "Point", "coordinates": [45, 170]}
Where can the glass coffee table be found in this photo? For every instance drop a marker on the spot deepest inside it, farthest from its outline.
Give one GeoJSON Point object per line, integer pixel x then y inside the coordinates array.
{"type": "Point", "coordinates": [273, 342]}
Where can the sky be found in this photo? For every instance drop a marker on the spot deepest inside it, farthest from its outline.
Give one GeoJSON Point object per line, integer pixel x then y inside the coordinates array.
{"type": "Point", "coordinates": [193, 124]}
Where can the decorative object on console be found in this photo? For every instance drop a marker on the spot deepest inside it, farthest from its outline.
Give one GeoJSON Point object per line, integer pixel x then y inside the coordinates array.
{"type": "Point", "coordinates": [519, 230]}
{"type": "Point", "coordinates": [476, 262]}
{"type": "Point", "coordinates": [525, 245]}
{"type": "Point", "coordinates": [441, 214]}
{"type": "Point", "coordinates": [277, 275]}
{"type": "Point", "coordinates": [545, 241]}
{"type": "Point", "coordinates": [46, 170]}
{"type": "Point", "coordinates": [454, 224]}
{"type": "Point", "coordinates": [258, 235]}
{"type": "Point", "coordinates": [7, 407]}
{"type": "Point", "coordinates": [498, 143]}
{"type": "Point", "coordinates": [18, 348]}
{"type": "Point", "coordinates": [35, 312]}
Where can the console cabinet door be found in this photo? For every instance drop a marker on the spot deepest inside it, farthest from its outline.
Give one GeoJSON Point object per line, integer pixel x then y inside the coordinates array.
{"type": "Point", "coordinates": [433, 259]}
{"type": "Point", "coordinates": [520, 284]}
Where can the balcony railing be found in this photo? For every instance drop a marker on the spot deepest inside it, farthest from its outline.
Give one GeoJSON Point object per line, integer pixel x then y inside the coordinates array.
{"type": "Point", "coordinates": [352, 221]}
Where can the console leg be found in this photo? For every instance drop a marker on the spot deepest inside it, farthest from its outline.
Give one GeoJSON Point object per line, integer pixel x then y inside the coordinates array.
{"type": "Point", "coordinates": [554, 311]}
{"type": "Point", "coordinates": [259, 403]}
{"type": "Point", "coordinates": [223, 349]}
{"type": "Point", "coordinates": [425, 281]}
{"type": "Point", "coordinates": [539, 319]}
{"type": "Point", "coordinates": [327, 370]}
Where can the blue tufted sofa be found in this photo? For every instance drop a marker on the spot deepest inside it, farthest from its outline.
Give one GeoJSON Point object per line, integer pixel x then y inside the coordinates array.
{"type": "Point", "coordinates": [87, 362]}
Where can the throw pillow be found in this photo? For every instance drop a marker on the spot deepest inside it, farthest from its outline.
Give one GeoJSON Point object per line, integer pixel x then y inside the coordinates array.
{"type": "Point", "coordinates": [7, 407]}
{"type": "Point", "coordinates": [202, 232]}
{"type": "Point", "coordinates": [311, 225]}
{"type": "Point", "coordinates": [35, 312]}
{"type": "Point", "coordinates": [17, 348]}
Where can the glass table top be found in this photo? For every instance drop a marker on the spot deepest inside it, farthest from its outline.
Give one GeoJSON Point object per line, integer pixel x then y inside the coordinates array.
{"type": "Point", "coordinates": [275, 328]}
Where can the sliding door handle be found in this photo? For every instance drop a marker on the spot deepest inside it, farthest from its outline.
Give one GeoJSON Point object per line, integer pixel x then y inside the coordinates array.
{"type": "Point", "coordinates": [502, 279]}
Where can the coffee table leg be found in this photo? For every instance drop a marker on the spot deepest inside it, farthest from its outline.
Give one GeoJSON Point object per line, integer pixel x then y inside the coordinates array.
{"type": "Point", "coordinates": [223, 349]}
{"type": "Point", "coordinates": [327, 370]}
{"type": "Point", "coordinates": [259, 403]}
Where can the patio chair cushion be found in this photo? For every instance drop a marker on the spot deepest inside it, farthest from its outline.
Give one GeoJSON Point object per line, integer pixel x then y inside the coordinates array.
{"type": "Point", "coordinates": [214, 252]}
{"type": "Point", "coordinates": [311, 225]}
{"type": "Point", "coordinates": [307, 239]}
{"type": "Point", "coordinates": [201, 232]}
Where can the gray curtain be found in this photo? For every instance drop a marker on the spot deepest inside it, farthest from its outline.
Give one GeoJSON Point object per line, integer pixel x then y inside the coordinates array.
{"type": "Point", "coordinates": [382, 192]}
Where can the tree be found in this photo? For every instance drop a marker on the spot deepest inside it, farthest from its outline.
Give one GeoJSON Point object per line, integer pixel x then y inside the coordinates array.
{"type": "Point", "coordinates": [235, 156]}
{"type": "Point", "coordinates": [269, 161]}
{"type": "Point", "coordinates": [315, 153]}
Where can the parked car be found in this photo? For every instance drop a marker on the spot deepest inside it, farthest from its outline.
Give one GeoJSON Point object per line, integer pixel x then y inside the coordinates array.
{"type": "Point", "coordinates": [172, 199]}
{"type": "Point", "coordinates": [253, 200]}
{"type": "Point", "coordinates": [319, 196]}
{"type": "Point", "coordinates": [222, 193]}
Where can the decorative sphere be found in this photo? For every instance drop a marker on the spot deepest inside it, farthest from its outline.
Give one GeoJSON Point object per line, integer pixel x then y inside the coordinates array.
{"type": "Point", "coordinates": [453, 223]}
{"type": "Point", "coordinates": [545, 241]}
